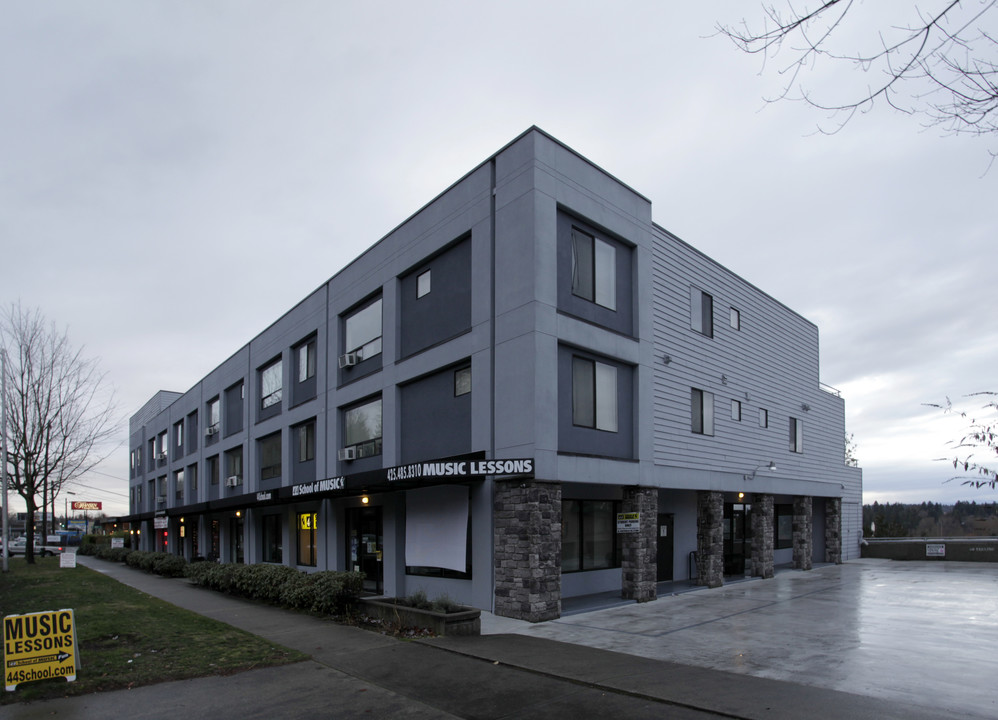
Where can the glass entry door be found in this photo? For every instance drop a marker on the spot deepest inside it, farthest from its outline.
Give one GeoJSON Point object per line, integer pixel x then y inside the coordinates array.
{"type": "Point", "coordinates": [365, 546]}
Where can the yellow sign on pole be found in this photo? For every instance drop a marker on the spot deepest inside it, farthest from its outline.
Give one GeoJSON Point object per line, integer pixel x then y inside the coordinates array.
{"type": "Point", "coordinates": [39, 646]}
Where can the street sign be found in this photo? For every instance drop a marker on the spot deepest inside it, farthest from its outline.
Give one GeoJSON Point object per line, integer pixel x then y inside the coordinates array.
{"type": "Point", "coordinates": [39, 646]}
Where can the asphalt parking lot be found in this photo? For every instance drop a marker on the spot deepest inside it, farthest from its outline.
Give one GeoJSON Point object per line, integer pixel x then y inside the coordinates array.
{"type": "Point", "coordinates": [923, 633]}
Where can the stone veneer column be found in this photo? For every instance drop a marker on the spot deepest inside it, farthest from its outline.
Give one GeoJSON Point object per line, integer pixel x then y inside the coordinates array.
{"type": "Point", "coordinates": [640, 550]}
{"type": "Point", "coordinates": [803, 533]}
{"type": "Point", "coordinates": [762, 536]}
{"type": "Point", "coordinates": [710, 538]}
{"type": "Point", "coordinates": [833, 530]}
{"type": "Point", "coordinates": [528, 549]}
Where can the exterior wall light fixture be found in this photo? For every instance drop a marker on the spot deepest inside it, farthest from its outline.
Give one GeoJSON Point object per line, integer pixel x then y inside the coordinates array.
{"type": "Point", "coordinates": [771, 467]}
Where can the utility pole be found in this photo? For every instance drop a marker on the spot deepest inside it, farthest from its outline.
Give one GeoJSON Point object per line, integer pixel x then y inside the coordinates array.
{"type": "Point", "coordinates": [3, 455]}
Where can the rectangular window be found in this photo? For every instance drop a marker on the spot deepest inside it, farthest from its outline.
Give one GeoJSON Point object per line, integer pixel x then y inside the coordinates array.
{"type": "Point", "coordinates": [701, 312]}
{"type": "Point", "coordinates": [213, 417]}
{"type": "Point", "coordinates": [462, 381]}
{"type": "Point", "coordinates": [702, 411]}
{"type": "Point", "coordinates": [735, 319]}
{"type": "Point", "coordinates": [736, 410]}
{"type": "Point", "coordinates": [234, 397]}
{"type": "Point", "coordinates": [270, 456]}
{"type": "Point", "coordinates": [272, 545]}
{"type": "Point", "coordinates": [588, 535]}
{"type": "Point", "coordinates": [211, 467]}
{"type": "Point", "coordinates": [763, 418]}
{"type": "Point", "coordinates": [271, 382]}
{"type": "Point", "coordinates": [423, 284]}
{"type": "Point", "coordinates": [192, 481]}
{"type": "Point", "coordinates": [234, 464]}
{"type": "Point", "coordinates": [162, 446]}
{"type": "Point", "coordinates": [594, 394]}
{"type": "Point", "coordinates": [594, 269]}
{"type": "Point", "coordinates": [362, 429]}
{"type": "Point", "coordinates": [306, 441]}
{"type": "Point", "coordinates": [362, 331]}
{"type": "Point", "coordinates": [306, 361]}
{"type": "Point", "coordinates": [178, 485]}
{"type": "Point", "coordinates": [307, 525]}
{"type": "Point", "coordinates": [796, 435]}
{"type": "Point", "coordinates": [178, 437]}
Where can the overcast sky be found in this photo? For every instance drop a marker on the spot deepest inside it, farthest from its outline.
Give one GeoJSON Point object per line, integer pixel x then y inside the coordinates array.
{"type": "Point", "coordinates": [161, 162]}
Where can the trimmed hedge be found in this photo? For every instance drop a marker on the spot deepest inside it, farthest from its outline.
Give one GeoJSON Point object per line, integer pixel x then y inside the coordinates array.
{"type": "Point", "coordinates": [327, 592]}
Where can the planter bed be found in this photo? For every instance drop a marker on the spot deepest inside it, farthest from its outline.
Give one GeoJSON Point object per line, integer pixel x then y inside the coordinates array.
{"type": "Point", "coordinates": [466, 621]}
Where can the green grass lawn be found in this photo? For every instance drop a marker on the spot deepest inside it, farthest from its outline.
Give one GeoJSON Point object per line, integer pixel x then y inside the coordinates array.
{"type": "Point", "coordinates": [125, 637]}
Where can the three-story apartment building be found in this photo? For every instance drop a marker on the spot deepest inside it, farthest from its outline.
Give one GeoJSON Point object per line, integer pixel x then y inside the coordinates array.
{"type": "Point", "coordinates": [527, 391]}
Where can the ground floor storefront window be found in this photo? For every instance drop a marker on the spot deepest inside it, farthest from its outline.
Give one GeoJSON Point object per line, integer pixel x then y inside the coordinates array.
{"type": "Point", "coordinates": [307, 524]}
{"type": "Point", "coordinates": [588, 535]}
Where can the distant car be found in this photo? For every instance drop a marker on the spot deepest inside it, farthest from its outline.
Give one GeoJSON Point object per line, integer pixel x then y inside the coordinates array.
{"type": "Point", "coordinates": [19, 546]}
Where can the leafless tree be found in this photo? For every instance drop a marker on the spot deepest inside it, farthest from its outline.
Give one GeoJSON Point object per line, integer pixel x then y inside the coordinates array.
{"type": "Point", "coordinates": [977, 450]}
{"type": "Point", "coordinates": [60, 409]}
{"type": "Point", "coordinates": [940, 62]}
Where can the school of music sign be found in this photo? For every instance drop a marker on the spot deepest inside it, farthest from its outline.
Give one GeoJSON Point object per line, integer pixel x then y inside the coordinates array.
{"type": "Point", "coordinates": [39, 646]}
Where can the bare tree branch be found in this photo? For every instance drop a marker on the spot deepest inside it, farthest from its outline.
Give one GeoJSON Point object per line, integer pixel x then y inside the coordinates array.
{"type": "Point", "coordinates": [62, 409]}
{"type": "Point", "coordinates": [976, 452]}
{"type": "Point", "coordinates": [940, 65]}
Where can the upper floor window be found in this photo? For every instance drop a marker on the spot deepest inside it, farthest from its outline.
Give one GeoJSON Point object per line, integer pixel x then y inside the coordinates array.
{"type": "Point", "coordinates": [462, 381]}
{"type": "Point", "coordinates": [306, 360]}
{"type": "Point", "coordinates": [362, 430]}
{"type": "Point", "coordinates": [213, 416]}
{"type": "Point", "coordinates": [423, 284]}
{"type": "Point", "coordinates": [735, 318]}
{"type": "Point", "coordinates": [178, 437]}
{"type": "Point", "coordinates": [306, 441]}
{"type": "Point", "coordinates": [211, 465]}
{"type": "Point", "coordinates": [271, 384]}
{"type": "Point", "coordinates": [362, 332]}
{"type": "Point", "coordinates": [702, 411]}
{"type": "Point", "coordinates": [594, 394]}
{"type": "Point", "coordinates": [270, 456]}
{"type": "Point", "coordinates": [796, 435]}
{"type": "Point", "coordinates": [594, 269]}
{"type": "Point", "coordinates": [234, 465]}
{"type": "Point", "coordinates": [763, 418]}
{"type": "Point", "coordinates": [701, 312]}
{"type": "Point", "coordinates": [234, 396]}
{"type": "Point", "coordinates": [162, 446]}
{"type": "Point", "coordinates": [736, 410]}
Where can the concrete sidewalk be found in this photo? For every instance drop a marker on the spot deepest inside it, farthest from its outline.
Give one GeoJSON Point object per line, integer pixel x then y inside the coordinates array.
{"type": "Point", "coordinates": [359, 673]}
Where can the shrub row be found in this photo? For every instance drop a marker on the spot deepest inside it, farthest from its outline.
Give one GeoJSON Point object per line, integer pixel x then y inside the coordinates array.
{"type": "Point", "coordinates": [327, 592]}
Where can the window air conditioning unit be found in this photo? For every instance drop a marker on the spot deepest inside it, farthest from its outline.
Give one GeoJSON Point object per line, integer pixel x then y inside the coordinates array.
{"type": "Point", "coordinates": [162, 456]}
{"type": "Point", "coordinates": [212, 430]}
{"type": "Point", "coordinates": [347, 454]}
{"type": "Point", "coordinates": [349, 359]}
{"type": "Point", "coordinates": [161, 499]}
{"type": "Point", "coordinates": [232, 481]}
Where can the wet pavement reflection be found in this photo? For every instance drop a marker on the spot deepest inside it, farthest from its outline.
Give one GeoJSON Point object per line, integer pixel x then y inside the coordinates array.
{"type": "Point", "coordinates": [922, 632]}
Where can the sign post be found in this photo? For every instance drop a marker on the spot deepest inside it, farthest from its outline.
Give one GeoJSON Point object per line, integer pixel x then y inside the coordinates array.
{"type": "Point", "coordinates": [39, 646]}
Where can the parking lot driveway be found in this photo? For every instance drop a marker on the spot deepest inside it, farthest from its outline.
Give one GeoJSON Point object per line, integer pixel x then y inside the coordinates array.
{"type": "Point", "coordinates": [921, 632]}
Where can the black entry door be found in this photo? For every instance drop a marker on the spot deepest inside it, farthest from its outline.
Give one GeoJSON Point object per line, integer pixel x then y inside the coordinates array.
{"type": "Point", "coordinates": [365, 546]}
{"type": "Point", "coordinates": [736, 538]}
{"type": "Point", "coordinates": [665, 547]}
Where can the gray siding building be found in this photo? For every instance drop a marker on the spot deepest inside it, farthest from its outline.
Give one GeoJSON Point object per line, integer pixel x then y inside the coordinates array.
{"type": "Point", "coordinates": [528, 391]}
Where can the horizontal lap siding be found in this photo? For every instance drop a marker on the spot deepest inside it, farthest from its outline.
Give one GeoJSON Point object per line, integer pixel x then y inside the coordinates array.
{"type": "Point", "coordinates": [773, 359]}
